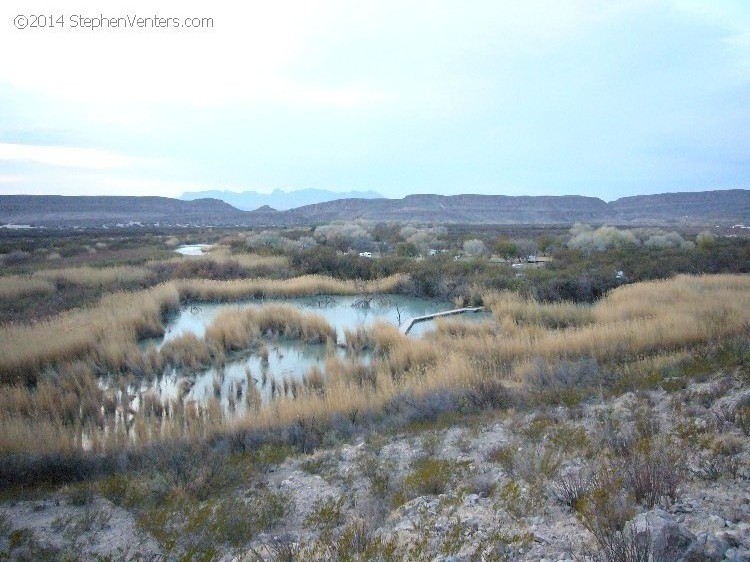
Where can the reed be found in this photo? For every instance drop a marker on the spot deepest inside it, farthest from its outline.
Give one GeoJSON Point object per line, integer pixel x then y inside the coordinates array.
{"type": "Point", "coordinates": [106, 333]}
{"type": "Point", "coordinates": [307, 285]}
{"type": "Point", "coordinates": [385, 337]}
{"type": "Point", "coordinates": [22, 436]}
{"type": "Point", "coordinates": [248, 260]}
{"type": "Point", "coordinates": [528, 311]}
{"type": "Point", "coordinates": [446, 327]}
{"type": "Point", "coordinates": [314, 379]}
{"type": "Point", "coordinates": [188, 351]}
{"type": "Point", "coordinates": [252, 397]}
{"type": "Point", "coordinates": [16, 286]}
{"type": "Point", "coordinates": [638, 327]}
{"type": "Point", "coordinates": [115, 324]}
{"type": "Point", "coordinates": [87, 276]}
{"type": "Point", "coordinates": [238, 329]}
{"type": "Point", "coordinates": [65, 403]}
{"type": "Point", "coordinates": [352, 370]}
{"type": "Point", "coordinates": [151, 405]}
{"type": "Point", "coordinates": [359, 339]}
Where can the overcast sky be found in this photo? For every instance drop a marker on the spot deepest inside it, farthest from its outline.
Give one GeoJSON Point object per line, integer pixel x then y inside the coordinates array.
{"type": "Point", "coordinates": [605, 98]}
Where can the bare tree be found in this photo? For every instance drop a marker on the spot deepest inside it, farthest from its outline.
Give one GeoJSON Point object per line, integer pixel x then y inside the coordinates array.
{"type": "Point", "coordinates": [475, 248]}
{"type": "Point", "coordinates": [399, 311]}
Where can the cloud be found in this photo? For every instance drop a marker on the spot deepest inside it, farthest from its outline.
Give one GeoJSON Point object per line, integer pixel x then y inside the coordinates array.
{"type": "Point", "coordinates": [246, 56]}
{"type": "Point", "coordinates": [12, 180]}
{"type": "Point", "coordinates": [140, 186]}
{"type": "Point", "coordinates": [395, 95]}
{"type": "Point", "coordinates": [65, 156]}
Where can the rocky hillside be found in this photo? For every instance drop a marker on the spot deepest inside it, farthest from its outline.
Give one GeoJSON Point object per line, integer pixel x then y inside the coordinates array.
{"type": "Point", "coordinates": [497, 209]}
{"type": "Point", "coordinates": [54, 210]}
{"type": "Point", "coordinates": [710, 207]}
{"type": "Point", "coordinates": [728, 207]}
{"type": "Point", "coordinates": [714, 205]}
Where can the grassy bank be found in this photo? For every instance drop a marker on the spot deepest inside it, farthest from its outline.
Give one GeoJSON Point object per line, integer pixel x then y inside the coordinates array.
{"type": "Point", "coordinates": [106, 333]}
{"type": "Point", "coordinates": [533, 351]}
{"type": "Point", "coordinates": [307, 285]}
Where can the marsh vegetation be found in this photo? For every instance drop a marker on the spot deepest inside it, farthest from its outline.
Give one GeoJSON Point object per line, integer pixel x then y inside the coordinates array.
{"type": "Point", "coordinates": [286, 342]}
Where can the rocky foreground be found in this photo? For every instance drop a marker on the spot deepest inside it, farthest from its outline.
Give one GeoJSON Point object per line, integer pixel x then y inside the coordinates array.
{"type": "Point", "coordinates": [653, 475]}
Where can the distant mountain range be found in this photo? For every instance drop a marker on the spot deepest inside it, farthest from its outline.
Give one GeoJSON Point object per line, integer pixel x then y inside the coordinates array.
{"type": "Point", "coordinates": [696, 208]}
{"type": "Point", "coordinates": [279, 200]}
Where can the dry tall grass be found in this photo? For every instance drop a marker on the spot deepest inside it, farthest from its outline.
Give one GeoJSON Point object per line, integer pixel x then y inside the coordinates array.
{"type": "Point", "coordinates": [105, 333]}
{"type": "Point", "coordinates": [636, 325]}
{"type": "Point", "coordinates": [237, 329]}
{"type": "Point", "coordinates": [632, 320]}
{"type": "Point", "coordinates": [222, 254]}
{"type": "Point", "coordinates": [187, 350]}
{"type": "Point", "coordinates": [54, 415]}
{"type": "Point", "coordinates": [307, 285]}
{"type": "Point", "coordinates": [528, 311]}
{"type": "Point", "coordinates": [95, 276]}
{"type": "Point", "coordinates": [659, 318]}
{"type": "Point", "coordinates": [453, 327]}
{"type": "Point", "coordinates": [250, 260]}
{"type": "Point", "coordinates": [15, 286]}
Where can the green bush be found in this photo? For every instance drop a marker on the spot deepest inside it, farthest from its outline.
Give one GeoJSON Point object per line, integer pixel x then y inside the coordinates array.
{"type": "Point", "coordinates": [428, 477]}
{"type": "Point", "coordinates": [326, 514]}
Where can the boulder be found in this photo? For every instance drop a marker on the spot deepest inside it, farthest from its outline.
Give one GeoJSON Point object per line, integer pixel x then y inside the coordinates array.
{"type": "Point", "coordinates": [706, 547]}
{"type": "Point", "coordinates": [669, 540]}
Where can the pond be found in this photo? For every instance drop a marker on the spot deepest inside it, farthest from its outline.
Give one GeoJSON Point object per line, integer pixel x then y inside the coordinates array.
{"type": "Point", "coordinates": [193, 249]}
{"type": "Point", "coordinates": [283, 362]}
{"type": "Point", "coordinates": [338, 311]}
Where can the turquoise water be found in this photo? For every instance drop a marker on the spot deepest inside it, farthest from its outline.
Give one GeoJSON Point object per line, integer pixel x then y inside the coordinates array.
{"type": "Point", "coordinates": [193, 249]}
{"type": "Point", "coordinates": [287, 359]}
{"type": "Point", "coordinates": [337, 311]}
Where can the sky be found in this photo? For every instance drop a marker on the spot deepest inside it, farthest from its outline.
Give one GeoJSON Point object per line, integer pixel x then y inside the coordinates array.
{"type": "Point", "coordinates": [605, 98]}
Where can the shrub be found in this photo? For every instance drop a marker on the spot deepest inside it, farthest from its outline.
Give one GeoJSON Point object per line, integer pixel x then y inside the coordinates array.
{"type": "Point", "coordinates": [504, 456]}
{"type": "Point", "coordinates": [378, 473]}
{"type": "Point", "coordinates": [604, 513]}
{"type": "Point", "coordinates": [428, 477]}
{"type": "Point", "coordinates": [565, 382]}
{"type": "Point", "coordinates": [628, 545]}
{"type": "Point", "coordinates": [431, 443]}
{"type": "Point", "coordinates": [196, 470]}
{"type": "Point", "coordinates": [742, 419]}
{"type": "Point", "coordinates": [81, 495]}
{"type": "Point", "coordinates": [270, 508]}
{"type": "Point", "coordinates": [652, 471]}
{"type": "Point", "coordinates": [537, 462]}
{"type": "Point", "coordinates": [306, 434]}
{"type": "Point", "coordinates": [325, 463]}
{"type": "Point", "coordinates": [483, 485]}
{"type": "Point", "coordinates": [475, 248]}
{"type": "Point", "coordinates": [490, 394]}
{"type": "Point", "coordinates": [269, 455]}
{"type": "Point", "coordinates": [572, 488]}
{"type": "Point", "coordinates": [568, 439]}
{"type": "Point", "coordinates": [521, 500]}
{"type": "Point", "coordinates": [326, 513]}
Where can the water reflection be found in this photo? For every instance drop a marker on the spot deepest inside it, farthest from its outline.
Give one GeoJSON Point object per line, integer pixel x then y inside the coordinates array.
{"type": "Point", "coordinates": [279, 367]}
{"type": "Point", "coordinates": [193, 249]}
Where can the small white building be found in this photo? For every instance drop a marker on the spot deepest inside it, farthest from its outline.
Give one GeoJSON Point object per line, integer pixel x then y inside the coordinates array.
{"type": "Point", "coordinates": [365, 254]}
